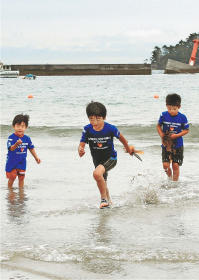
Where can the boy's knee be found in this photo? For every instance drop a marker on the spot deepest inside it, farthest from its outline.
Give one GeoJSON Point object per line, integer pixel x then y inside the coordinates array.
{"type": "Point", "coordinates": [12, 175]}
{"type": "Point", "coordinates": [175, 166]}
{"type": "Point", "coordinates": [166, 165]}
{"type": "Point", "coordinates": [97, 175]}
{"type": "Point", "coordinates": [21, 178]}
{"type": "Point", "coordinates": [21, 174]}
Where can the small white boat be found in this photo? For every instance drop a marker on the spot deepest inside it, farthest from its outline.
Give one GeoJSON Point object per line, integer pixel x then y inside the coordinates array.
{"type": "Point", "coordinates": [6, 72]}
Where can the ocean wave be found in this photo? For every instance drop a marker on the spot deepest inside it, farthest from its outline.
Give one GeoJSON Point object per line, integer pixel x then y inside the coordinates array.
{"type": "Point", "coordinates": [138, 131]}
{"type": "Point", "coordinates": [101, 254]}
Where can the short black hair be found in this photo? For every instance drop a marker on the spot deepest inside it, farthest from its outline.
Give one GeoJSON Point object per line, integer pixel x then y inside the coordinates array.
{"type": "Point", "coordinates": [173, 99]}
{"type": "Point", "coordinates": [21, 118]}
{"type": "Point", "coordinates": [96, 109]}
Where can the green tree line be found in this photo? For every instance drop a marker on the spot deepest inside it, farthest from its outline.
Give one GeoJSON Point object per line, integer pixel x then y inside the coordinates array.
{"type": "Point", "coordinates": [180, 52]}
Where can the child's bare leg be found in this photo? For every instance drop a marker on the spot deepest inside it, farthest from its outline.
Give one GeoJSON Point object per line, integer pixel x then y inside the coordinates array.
{"type": "Point", "coordinates": [21, 194]}
{"type": "Point", "coordinates": [166, 166]}
{"type": "Point", "coordinates": [11, 195]}
{"type": "Point", "coordinates": [107, 194]}
{"type": "Point", "coordinates": [98, 176]}
{"type": "Point", "coordinates": [176, 171]}
{"type": "Point", "coordinates": [11, 177]}
{"type": "Point", "coordinates": [10, 183]}
{"type": "Point", "coordinates": [21, 181]}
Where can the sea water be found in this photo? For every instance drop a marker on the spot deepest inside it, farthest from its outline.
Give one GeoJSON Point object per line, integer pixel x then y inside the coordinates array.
{"type": "Point", "coordinates": [53, 227]}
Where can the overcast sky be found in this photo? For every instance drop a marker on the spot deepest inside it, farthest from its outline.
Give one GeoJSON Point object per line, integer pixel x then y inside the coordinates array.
{"type": "Point", "coordinates": [92, 31]}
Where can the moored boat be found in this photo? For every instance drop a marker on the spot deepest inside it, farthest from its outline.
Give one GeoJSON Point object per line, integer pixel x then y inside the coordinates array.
{"type": "Point", "coordinates": [7, 72]}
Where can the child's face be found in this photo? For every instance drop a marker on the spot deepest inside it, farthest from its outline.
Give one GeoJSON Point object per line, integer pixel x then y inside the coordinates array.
{"type": "Point", "coordinates": [173, 110]}
{"type": "Point", "coordinates": [20, 128]}
{"type": "Point", "coordinates": [96, 121]}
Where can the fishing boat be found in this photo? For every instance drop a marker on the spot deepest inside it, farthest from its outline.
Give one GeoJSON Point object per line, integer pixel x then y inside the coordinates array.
{"type": "Point", "coordinates": [7, 72]}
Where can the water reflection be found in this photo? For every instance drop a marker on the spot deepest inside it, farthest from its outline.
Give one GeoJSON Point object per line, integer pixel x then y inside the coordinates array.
{"type": "Point", "coordinates": [104, 259]}
{"type": "Point", "coordinates": [103, 231]}
{"type": "Point", "coordinates": [16, 204]}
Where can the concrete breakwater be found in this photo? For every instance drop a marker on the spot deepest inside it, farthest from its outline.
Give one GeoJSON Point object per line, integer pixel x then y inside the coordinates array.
{"type": "Point", "coordinates": [83, 69]}
{"type": "Point", "coordinates": [177, 67]}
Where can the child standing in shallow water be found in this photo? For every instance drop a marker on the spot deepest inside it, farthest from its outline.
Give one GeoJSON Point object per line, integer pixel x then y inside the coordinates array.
{"type": "Point", "coordinates": [171, 127]}
{"type": "Point", "coordinates": [18, 144]}
{"type": "Point", "coordinates": [99, 135]}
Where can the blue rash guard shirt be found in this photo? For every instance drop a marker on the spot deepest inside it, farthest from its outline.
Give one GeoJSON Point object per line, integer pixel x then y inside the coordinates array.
{"type": "Point", "coordinates": [174, 124]}
{"type": "Point", "coordinates": [17, 159]}
{"type": "Point", "coordinates": [101, 142]}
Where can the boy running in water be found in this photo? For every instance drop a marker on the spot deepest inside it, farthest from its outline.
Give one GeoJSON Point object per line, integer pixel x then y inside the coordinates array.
{"type": "Point", "coordinates": [99, 135]}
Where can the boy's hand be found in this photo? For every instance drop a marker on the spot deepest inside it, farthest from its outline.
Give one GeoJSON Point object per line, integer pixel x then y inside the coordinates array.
{"type": "Point", "coordinates": [38, 160]}
{"type": "Point", "coordinates": [81, 151]}
{"type": "Point", "coordinates": [135, 152]}
{"type": "Point", "coordinates": [16, 144]}
{"type": "Point", "coordinates": [173, 136]}
{"type": "Point", "coordinates": [19, 142]}
{"type": "Point", "coordinates": [132, 150]}
{"type": "Point", "coordinates": [162, 135]}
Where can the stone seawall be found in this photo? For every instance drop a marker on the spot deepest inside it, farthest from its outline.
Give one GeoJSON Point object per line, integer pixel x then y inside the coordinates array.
{"type": "Point", "coordinates": [83, 69]}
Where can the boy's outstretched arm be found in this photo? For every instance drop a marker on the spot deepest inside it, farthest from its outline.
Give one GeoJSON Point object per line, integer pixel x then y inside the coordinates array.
{"type": "Point", "coordinates": [129, 149]}
{"type": "Point", "coordinates": [35, 155]}
{"type": "Point", "coordinates": [81, 150]}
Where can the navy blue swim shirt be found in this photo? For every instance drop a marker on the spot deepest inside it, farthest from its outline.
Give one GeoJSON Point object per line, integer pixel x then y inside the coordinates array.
{"type": "Point", "coordinates": [174, 124]}
{"type": "Point", "coordinates": [101, 142]}
{"type": "Point", "coordinates": [17, 159]}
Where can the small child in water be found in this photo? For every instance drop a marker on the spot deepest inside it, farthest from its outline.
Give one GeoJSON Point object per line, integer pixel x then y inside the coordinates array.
{"type": "Point", "coordinates": [18, 144]}
{"type": "Point", "coordinates": [172, 125]}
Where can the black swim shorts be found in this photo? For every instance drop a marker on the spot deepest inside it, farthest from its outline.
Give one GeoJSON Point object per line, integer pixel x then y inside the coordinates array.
{"type": "Point", "coordinates": [176, 155]}
{"type": "Point", "coordinates": [108, 165]}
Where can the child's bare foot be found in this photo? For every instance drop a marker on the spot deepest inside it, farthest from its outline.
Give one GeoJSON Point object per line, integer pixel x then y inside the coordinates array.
{"type": "Point", "coordinates": [110, 202]}
{"type": "Point", "coordinates": [104, 203]}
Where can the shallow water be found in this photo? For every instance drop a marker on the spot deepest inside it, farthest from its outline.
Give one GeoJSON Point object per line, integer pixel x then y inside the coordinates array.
{"type": "Point", "coordinates": [53, 228]}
